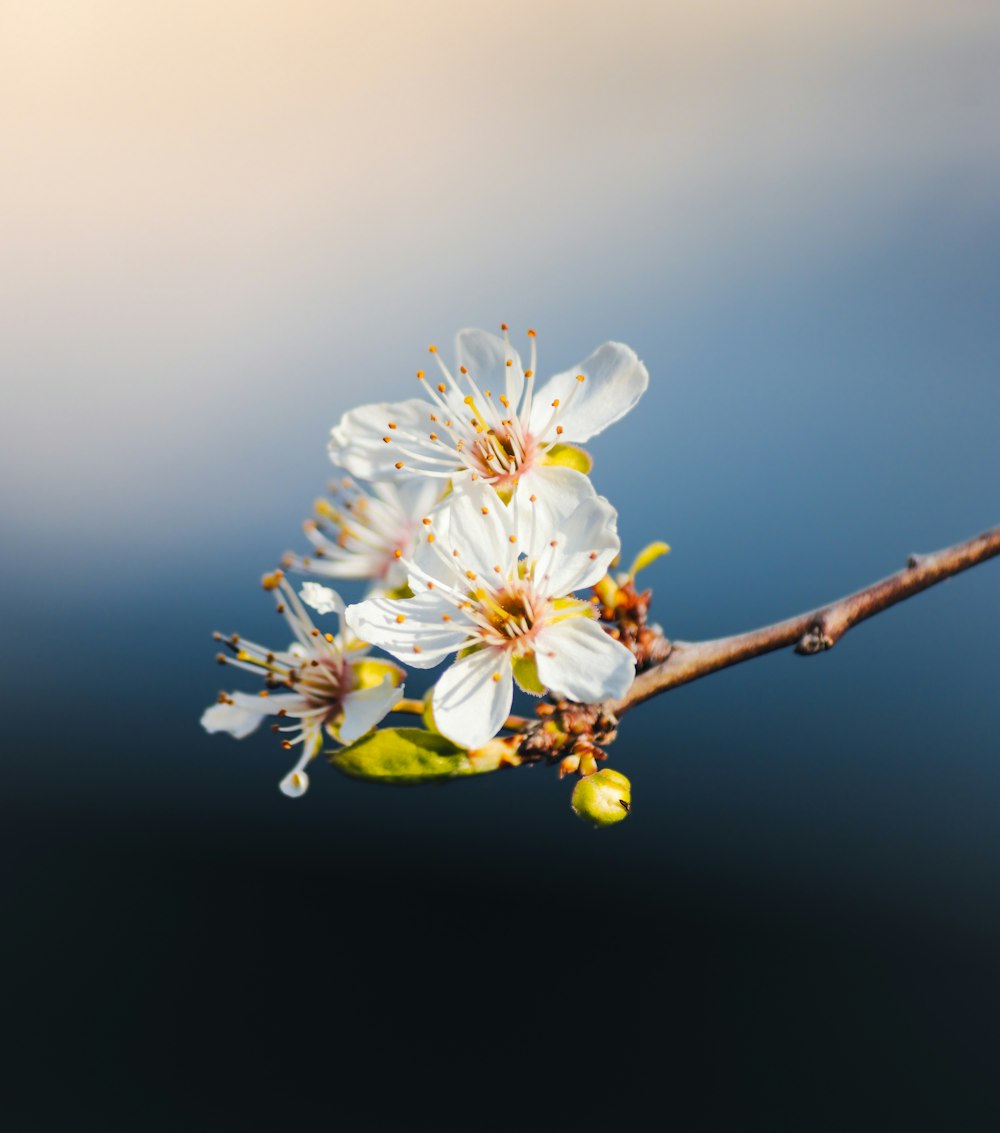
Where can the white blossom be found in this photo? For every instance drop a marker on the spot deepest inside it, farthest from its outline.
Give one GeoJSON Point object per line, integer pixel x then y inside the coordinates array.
{"type": "Point", "coordinates": [490, 422]}
{"type": "Point", "coordinates": [320, 684]}
{"type": "Point", "coordinates": [494, 583]}
{"type": "Point", "coordinates": [364, 534]}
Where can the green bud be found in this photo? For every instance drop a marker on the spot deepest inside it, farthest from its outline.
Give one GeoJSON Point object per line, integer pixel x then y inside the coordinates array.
{"type": "Point", "coordinates": [603, 798]}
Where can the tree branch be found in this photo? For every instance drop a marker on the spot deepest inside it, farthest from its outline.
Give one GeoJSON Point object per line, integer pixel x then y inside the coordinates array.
{"type": "Point", "coordinates": [809, 633]}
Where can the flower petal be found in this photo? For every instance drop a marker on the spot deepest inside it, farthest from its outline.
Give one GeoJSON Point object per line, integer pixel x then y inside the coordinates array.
{"type": "Point", "coordinates": [412, 629]}
{"type": "Point", "coordinates": [352, 564]}
{"type": "Point", "coordinates": [363, 709]}
{"type": "Point", "coordinates": [470, 705]}
{"type": "Point", "coordinates": [485, 356]}
{"type": "Point", "coordinates": [295, 784]}
{"type": "Point", "coordinates": [292, 703]}
{"type": "Point", "coordinates": [578, 660]}
{"type": "Point", "coordinates": [231, 718]}
{"type": "Point", "coordinates": [615, 379]}
{"type": "Point", "coordinates": [550, 492]}
{"type": "Point", "coordinates": [356, 442]}
{"type": "Point", "coordinates": [322, 599]}
{"type": "Point", "coordinates": [413, 498]}
{"type": "Point", "coordinates": [569, 530]}
{"type": "Point", "coordinates": [474, 521]}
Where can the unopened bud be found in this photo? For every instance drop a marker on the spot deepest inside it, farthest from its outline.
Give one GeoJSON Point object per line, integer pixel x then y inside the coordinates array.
{"type": "Point", "coordinates": [603, 798]}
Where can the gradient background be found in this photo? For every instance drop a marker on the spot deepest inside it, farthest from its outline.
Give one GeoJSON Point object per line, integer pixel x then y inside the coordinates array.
{"type": "Point", "coordinates": [222, 224]}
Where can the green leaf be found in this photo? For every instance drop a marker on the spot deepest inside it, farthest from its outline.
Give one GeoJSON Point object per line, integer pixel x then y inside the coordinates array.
{"type": "Point", "coordinates": [402, 755]}
{"type": "Point", "coordinates": [646, 556]}
{"type": "Point", "coordinates": [570, 456]}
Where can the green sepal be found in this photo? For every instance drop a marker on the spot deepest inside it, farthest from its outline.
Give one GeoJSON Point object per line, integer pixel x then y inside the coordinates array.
{"type": "Point", "coordinates": [468, 650]}
{"type": "Point", "coordinates": [526, 675]}
{"type": "Point", "coordinates": [402, 755]}
{"type": "Point", "coordinates": [607, 590]}
{"type": "Point", "coordinates": [570, 456]}
{"type": "Point", "coordinates": [370, 672]}
{"type": "Point", "coordinates": [397, 593]}
{"type": "Point", "coordinates": [646, 556]}
{"type": "Point", "coordinates": [427, 715]}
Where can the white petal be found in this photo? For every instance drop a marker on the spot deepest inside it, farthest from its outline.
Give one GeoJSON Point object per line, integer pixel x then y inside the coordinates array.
{"type": "Point", "coordinates": [422, 639]}
{"type": "Point", "coordinates": [295, 783]}
{"type": "Point", "coordinates": [474, 521]}
{"type": "Point", "coordinates": [365, 707]}
{"type": "Point", "coordinates": [416, 497]}
{"type": "Point", "coordinates": [351, 565]}
{"type": "Point", "coordinates": [578, 660]}
{"type": "Point", "coordinates": [469, 705]}
{"type": "Point", "coordinates": [566, 512]}
{"type": "Point", "coordinates": [615, 380]}
{"type": "Point", "coordinates": [586, 542]}
{"type": "Point", "coordinates": [356, 442]}
{"type": "Point", "coordinates": [560, 490]}
{"type": "Point", "coordinates": [395, 578]}
{"type": "Point", "coordinates": [322, 599]}
{"type": "Point", "coordinates": [231, 718]}
{"type": "Point", "coordinates": [485, 356]}
{"type": "Point", "coordinates": [292, 703]}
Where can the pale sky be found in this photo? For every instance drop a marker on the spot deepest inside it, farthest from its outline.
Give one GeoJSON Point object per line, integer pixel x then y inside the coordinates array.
{"type": "Point", "coordinates": [225, 222]}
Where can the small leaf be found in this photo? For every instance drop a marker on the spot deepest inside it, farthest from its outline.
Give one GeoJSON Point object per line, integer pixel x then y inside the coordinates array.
{"type": "Point", "coordinates": [646, 556]}
{"type": "Point", "coordinates": [402, 755]}
{"type": "Point", "coordinates": [570, 456]}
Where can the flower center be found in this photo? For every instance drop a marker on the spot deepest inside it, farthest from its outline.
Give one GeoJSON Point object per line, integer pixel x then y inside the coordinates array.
{"type": "Point", "coordinates": [324, 684]}
{"type": "Point", "coordinates": [512, 616]}
{"type": "Point", "coordinates": [500, 458]}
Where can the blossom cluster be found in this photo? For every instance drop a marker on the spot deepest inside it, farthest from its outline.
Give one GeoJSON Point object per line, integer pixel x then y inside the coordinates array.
{"type": "Point", "coordinates": [470, 514]}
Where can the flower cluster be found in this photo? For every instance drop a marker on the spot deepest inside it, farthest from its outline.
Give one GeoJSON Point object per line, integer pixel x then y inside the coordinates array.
{"type": "Point", "coordinates": [476, 532]}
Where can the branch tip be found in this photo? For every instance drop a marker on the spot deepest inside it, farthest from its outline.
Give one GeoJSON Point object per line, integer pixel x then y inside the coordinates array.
{"type": "Point", "coordinates": [812, 632]}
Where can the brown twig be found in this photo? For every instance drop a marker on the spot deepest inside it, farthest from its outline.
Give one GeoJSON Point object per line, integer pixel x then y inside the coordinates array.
{"type": "Point", "coordinates": [575, 734]}
{"type": "Point", "coordinates": [809, 633]}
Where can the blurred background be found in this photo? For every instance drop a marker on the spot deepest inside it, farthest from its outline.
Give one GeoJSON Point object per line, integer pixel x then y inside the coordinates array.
{"type": "Point", "coordinates": [225, 223]}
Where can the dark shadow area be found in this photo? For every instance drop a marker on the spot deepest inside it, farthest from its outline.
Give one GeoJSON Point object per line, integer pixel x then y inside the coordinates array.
{"type": "Point", "coordinates": [215, 982]}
